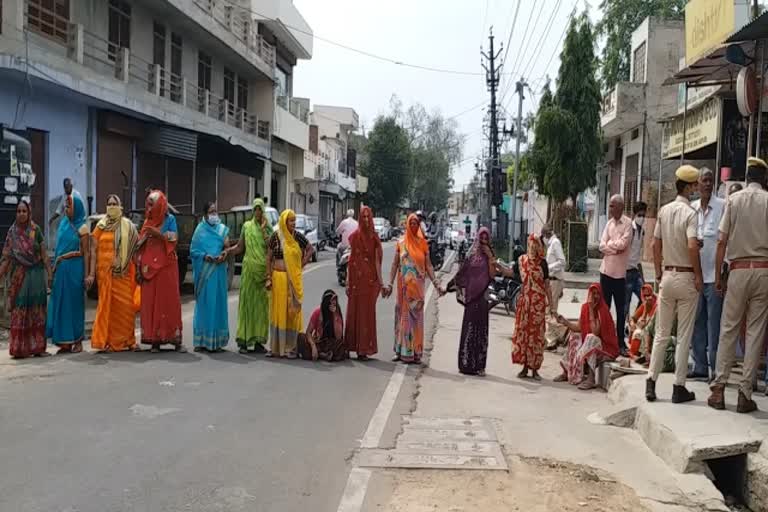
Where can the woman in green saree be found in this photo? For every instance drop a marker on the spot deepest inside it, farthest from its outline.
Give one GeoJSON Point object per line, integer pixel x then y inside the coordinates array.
{"type": "Point", "coordinates": [253, 311]}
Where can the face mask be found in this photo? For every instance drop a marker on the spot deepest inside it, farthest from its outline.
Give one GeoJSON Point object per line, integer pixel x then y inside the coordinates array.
{"type": "Point", "coordinates": [640, 221]}
{"type": "Point", "coordinates": [214, 219]}
{"type": "Point", "coordinates": [114, 212]}
{"type": "Point", "coordinates": [546, 240]}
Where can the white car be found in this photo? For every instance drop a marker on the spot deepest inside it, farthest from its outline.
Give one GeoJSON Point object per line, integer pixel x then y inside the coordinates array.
{"type": "Point", "coordinates": [306, 226]}
{"type": "Point", "coordinates": [383, 229]}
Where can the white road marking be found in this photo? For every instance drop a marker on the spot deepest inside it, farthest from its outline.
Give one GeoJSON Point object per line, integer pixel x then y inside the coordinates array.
{"type": "Point", "coordinates": [354, 492]}
{"type": "Point", "coordinates": [357, 483]}
{"type": "Point", "coordinates": [381, 414]}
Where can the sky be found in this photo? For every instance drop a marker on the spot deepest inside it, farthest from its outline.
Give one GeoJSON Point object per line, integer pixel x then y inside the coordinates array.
{"type": "Point", "coordinates": [445, 34]}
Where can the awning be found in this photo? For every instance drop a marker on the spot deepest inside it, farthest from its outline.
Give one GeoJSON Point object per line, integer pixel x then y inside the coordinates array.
{"type": "Point", "coordinates": [755, 29]}
{"type": "Point", "coordinates": [711, 69]}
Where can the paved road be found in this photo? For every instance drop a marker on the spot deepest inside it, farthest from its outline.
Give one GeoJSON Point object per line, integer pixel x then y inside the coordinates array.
{"type": "Point", "coordinates": [187, 432]}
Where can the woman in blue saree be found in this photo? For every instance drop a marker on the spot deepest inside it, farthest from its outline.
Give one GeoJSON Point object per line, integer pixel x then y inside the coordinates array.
{"type": "Point", "coordinates": [209, 269]}
{"type": "Point", "coordinates": [65, 325]}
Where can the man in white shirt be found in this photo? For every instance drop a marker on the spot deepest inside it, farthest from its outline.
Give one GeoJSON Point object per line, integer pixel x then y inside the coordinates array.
{"type": "Point", "coordinates": [635, 278]}
{"type": "Point", "coordinates": [345, 229]}
{"type": "Point", "coordinates": [556, 264]}
{"type": "Point", "coordinates": [706, 331]}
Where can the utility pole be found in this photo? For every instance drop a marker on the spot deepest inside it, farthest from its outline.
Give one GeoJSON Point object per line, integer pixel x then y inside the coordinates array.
{"type": "Point", "coordinates": [520, 89]}
{"type": "Point", "coordinates": [492, 79]}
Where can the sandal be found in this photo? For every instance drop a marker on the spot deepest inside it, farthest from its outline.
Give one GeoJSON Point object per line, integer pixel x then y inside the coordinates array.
{"type": "Point", "coordinates": [363, 358]}
{"type": "Point", "coordinates": [64, 350]}
{"type": "Point", "coordinates": [523, 373]}
{"type": "Point", "coordinates": [77, 347]}
{"type": "Point", "coordinates": [291, 355]}
{"type": "Point", "coordinates": [395, 359]}
{"type": "Point", "coordinates": [155, 349]}
{"type": "Point", "coordinates": [243, 350]}
{"type": "Point", "coordinates": [536, 376]}
{"type": "Point", "coordinates": [198, 349]}
{"type": "Point", "coordinates": [181, 349]}
{"type": "Point", "coordinates": [269, 354]}
{"type": "Point", "coordinates": [480, 373]}
{"type": "Point", "coordinates": [43, 354]}
{"type": "Point", "coordinates": [587, 384]}
{"type": "Point", "coordinates": [561, 378]}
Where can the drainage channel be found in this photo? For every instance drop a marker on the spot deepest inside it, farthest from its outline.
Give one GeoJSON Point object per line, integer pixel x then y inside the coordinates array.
{"type": "Point", "coordinates": [730, 478]}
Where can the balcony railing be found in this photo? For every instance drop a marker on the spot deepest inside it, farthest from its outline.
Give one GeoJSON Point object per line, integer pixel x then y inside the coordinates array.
{"type": "Point", "coordinates": [294, 107]}
{"type": "Point", "coordinates": [239, 22]}
{"type": "Point", "coordinates": [121, 64]}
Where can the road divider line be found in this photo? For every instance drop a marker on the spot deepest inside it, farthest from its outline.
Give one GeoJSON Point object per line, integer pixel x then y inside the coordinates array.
{"type": "Point", "coordinates": [359, 478]}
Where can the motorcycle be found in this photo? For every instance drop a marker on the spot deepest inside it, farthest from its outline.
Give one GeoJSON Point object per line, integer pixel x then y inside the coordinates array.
{"type": "Point", "coordinates": [436, 254]}
{"type": "Point", "coordinates": [341, 266]}
{"type": "Point", "coordinates": [332, 239]}
{"type": "Point", "coordinates": [462, 253]}
{"type": "Point", "coordinates": [505, 290]}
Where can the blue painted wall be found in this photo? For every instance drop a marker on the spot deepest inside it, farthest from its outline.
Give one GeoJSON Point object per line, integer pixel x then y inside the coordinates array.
{"type": "Point", "coordinates": [66, 123]}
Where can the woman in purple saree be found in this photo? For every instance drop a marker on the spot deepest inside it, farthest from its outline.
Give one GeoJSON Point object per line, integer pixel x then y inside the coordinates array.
{"type": "Point", "coordinates": [470, 283]}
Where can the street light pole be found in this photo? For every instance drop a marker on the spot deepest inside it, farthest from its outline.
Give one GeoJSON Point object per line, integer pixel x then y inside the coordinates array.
{"type": "Point", "coordinates": [520, 87]}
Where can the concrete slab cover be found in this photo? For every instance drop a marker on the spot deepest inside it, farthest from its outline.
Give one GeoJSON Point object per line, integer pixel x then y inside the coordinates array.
{"type": "Point", "coordinates": [441, 443]}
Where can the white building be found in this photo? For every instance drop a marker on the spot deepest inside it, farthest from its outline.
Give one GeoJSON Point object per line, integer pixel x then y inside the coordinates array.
{"type": "Point", "coordinates": [630, 118]}
{"type": "Point", "coordinates": [328, 186]}
{"type": "Point", "coordinates": [190, 96]}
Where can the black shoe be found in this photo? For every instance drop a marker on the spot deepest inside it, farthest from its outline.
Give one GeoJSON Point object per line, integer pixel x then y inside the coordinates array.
{"type": "Point", "coordinates": [681, 395]}
{"type": "Point", "coordinates": [650, 390]}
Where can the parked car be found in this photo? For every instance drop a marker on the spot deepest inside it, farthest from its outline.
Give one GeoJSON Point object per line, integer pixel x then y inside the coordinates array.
{"type": "Point", "coordinates": [383, 228]}
{"type": "Point", "coordinates": [308, 227]}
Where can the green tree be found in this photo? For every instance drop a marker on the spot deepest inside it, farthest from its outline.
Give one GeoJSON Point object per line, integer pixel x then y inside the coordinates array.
{"type": "Point", "coordinates": [621, 18]}
{"type": "Point", "coordinates": [578, 93]}
{"type": "Point", "coordinates": [387, 165]}
{"type": "Point", "coordinates": [436, 145]}
{"type": "Point", "coordinates": [567, 141]}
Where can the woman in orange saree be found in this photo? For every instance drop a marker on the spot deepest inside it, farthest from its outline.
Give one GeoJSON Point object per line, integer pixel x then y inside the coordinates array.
{"type": "Point", "coordinates": [158, 272]}
{"type": "Point", "coordinates": [530, 316]}
{"type": "Point", "coordinates": [115, 239]}
{"type": "Point", "coordinates": [411, 266]}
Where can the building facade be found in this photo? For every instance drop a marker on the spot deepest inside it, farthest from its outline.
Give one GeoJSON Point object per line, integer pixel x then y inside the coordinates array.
{"type": "Point", "coordinates": [189, 96]}
{"type": "Point", "coordinates": [630, 117]}
{"type": "Point", "coordinates": [329, 185]}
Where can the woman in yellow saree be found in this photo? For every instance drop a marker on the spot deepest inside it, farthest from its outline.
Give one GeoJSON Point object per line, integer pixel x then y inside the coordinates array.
{"type": "Point", "coordinates": [115, 239]}
{"type": "Point", "coordinates": [287, 253]}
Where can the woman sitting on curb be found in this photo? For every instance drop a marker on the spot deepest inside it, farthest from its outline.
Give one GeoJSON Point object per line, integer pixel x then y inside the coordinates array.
{"type": "Point", "coordinates": [592, 341]}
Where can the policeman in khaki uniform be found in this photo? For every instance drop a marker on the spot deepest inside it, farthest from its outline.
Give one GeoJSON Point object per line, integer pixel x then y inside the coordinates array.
{"type": "Point", "coordinates": [744, 241]}
{"type": "Point", "coordinates": [678, 269]}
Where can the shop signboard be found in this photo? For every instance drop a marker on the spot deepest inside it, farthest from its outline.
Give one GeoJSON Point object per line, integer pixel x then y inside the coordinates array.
{"type": "Point", "coordinates": [701, 129]}
{"type": "Point", "coordinates": [708, 23]}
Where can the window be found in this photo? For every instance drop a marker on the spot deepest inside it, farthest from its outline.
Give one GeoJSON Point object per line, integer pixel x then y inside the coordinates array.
{"type": "Point", "coordinates": [204, 65]}
{"type": "Point", "coordinates": [638, 64]}
{"type": "Point", "coordinates": [119, 27]}
{"type": "Point", "coordinates": [282, 82]}
{"type": "Point", "coordinates": [49, 18]}
{"type": "Point", "coordinates": [158, 55]}
{"type": "Point", "coordinates": [229, 86]}
{"type": "Point", "coordinates": [635, 133]}
{"type": "Point", "coordinates": [242, 93]}
{"type": "Point", "coordinates": [176, 56]}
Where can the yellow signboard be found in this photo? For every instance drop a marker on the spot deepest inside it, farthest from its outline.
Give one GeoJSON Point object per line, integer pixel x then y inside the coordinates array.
{"type": "Point", "coordinates": [708, 23]}
{"type": "Point", "coordinates": [702, 123]}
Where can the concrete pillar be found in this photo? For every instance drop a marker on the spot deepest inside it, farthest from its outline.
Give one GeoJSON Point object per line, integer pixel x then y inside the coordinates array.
{"type": "Point", "coordinates": [266, 182]}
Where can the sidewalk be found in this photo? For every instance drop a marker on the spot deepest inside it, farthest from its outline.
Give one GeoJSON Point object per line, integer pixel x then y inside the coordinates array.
{"type": "Point", "coordinates": [582, 280]}
{"type": "Point", "coordinates": [559, 460]}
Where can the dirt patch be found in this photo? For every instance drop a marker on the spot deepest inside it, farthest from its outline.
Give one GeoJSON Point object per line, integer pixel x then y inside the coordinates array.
{"type": "Point", "coordinates": [531, 485]}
